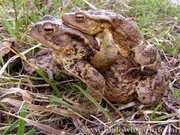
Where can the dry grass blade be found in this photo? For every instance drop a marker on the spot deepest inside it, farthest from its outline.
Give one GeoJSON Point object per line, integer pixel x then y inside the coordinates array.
{"type": "Point", "coordinates": [154, 122]}
{"type": "Point", "coordinates": [131, 104]}
{"type": "Point", "coordinates": [15, 57]}
{"type": "Point", "coordinates": [32, 107]}
{"type": "Point", "coordinates": [119, 113]}
{"type": "Point", "coordinates": [25, 94]}
{"type": "Point", "coordinates": [43, 127]}
{"type": "Point", "coordinates": [165, 130]}
{"type": "Point", "coordinates": [90, 5]}
{"type": "Point", "coordinates": [6, 64]}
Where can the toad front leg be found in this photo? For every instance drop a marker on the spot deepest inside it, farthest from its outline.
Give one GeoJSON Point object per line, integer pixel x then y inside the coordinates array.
{"type": "Point", "coordinates": [90, 76]}
{"type": "Point", "coordinates": [108, 52]}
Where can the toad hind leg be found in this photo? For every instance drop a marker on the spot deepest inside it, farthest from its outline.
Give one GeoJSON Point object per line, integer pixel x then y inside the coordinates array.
{"type": "Point", "coordinates": [151, 90]}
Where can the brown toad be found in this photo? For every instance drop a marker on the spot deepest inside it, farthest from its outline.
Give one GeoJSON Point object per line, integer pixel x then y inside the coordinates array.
{"type": "Point", "coordinates": [93, 22]}
{"type": "Point", "coordinates": [124, 33]}
{"type": "Point", "coordinates": [70, 49]}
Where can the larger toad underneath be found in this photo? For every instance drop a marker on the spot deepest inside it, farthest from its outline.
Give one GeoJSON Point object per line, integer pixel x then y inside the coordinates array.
{"type": "Point", "coordinates": [70, 49]}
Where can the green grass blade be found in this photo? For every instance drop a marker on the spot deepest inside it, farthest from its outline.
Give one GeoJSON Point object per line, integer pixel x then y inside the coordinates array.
{"type": "Point", "coordinates": [61, 101]}
{"type": "Point", "coordinates": [164, 117]}
{"type": "Point", "coordinates": [1, 59]}
{"type": "Point", "coordinates": [21, 123]}
{"type": "Point", "coordinates": [155, 110]}
{"type": "Point", "coordinates": [31, 132]}
{"type": "Point", "coordinates": [95, 103]}
{"type": "Point", "coordinates": [52, 84]}
{"type": "Point", "coordinates": [3, 106]}
{"type": "Point", "coordinates": [176, 93]}
{"type": "Point", "coordinates": [8, 25]}
{"type": "Point", "coordinates": [10, 127]}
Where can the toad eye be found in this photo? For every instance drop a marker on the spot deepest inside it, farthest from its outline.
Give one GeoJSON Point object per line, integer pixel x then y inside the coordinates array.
{"type": "Point", "coordinates": [80, 16]}
{"type": "Point", "coordinates": [48, 28]}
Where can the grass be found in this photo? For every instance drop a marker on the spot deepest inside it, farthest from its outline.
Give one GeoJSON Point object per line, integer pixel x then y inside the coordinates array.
{"type": "Point", "coordinates": [55, 101]}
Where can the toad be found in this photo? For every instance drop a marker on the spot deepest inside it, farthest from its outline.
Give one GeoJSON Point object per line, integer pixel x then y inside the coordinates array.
{"type": "Point", "coordinates": [124, 32]}
{"type": "Point", "coordinates": [134, 56]}
{"type": "Point", "coordinates": [120, 85]}
{"type": "Point", "coordinates": [70, 49]}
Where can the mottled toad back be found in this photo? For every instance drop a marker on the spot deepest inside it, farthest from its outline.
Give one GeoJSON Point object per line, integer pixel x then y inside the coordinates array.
{"type": "Point", "coordinates": [123, 86]}
{"type": "Point", "coordinates": [125, 35]}
{"type": "Point", "coordinates": [92, 22]}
